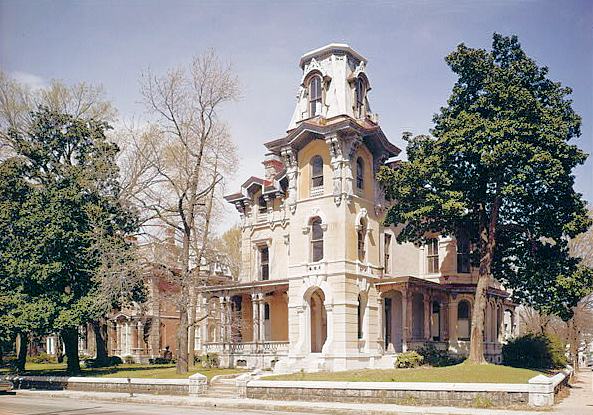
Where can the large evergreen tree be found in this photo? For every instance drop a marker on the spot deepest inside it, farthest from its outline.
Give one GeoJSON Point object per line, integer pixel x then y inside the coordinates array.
{"type": "Point", "coordinates": [498, 168]}
{"type": "Point", "coordinates": [59, 205]}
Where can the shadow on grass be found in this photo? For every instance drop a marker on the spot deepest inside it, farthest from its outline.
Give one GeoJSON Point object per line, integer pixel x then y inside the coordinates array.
{"type": "Point", "coordinates": [85, 372]}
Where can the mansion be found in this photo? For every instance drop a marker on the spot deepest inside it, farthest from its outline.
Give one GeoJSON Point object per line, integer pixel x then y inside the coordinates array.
{"type": "Point", "coordinates": [324, 284]}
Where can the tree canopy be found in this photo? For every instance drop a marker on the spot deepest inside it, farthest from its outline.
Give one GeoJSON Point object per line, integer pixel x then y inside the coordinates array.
{"type": "Point", "coordinates": [497, 169]}
{"type": "Point", "coordinates": [59, 207]}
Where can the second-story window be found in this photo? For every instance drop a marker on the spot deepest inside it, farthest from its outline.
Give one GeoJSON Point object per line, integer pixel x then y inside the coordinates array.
{"type": "Point", "coordinates": [264, 263]}
{"type": "Point", "coordinates": [315, 96]}
{"type": "Point", "coordinates": [387, 254]}
{"type": "Point", "coordinates": [316, 175]}
{"type": "Point", "coordinates": [316, 240]}
{"type": "Point", "coordinates": [359, 173]}
{"type": "Point", "coordinates": [463, 261]}
{"type": "Point", "coordinates": [432, 255]}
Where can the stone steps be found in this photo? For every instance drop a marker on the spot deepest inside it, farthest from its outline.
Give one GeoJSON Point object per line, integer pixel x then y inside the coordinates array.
{"type": "Point", "coordinates": [223, 388]}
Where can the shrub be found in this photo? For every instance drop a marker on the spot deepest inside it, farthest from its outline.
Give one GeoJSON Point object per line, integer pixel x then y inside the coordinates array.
{"type": "Point", "coordinates": [160, 361]}
{"type": "Point", "coordinates": [129, 360]}
{"type": "Point", "coordinates": [115, 360]}
{"type": "Point", "coordinates": [208, 360]}
{"type": "Point", "coordinates": [408, 359]}
{"type": "Point", "coordinates": [437, 358]}
{"type": "Point", "coordinates": [534, 351]}
{"type": "Point", "coordinates": [42, 358]}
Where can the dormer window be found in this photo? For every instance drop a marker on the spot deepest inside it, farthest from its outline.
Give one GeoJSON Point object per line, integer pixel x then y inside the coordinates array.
{"type": "Point", "coordinates": [359, 173]}
{"type": "Point", "coordinates": [315, 96]}
{"type": "Point", "coordinates": [359, 96]}
{"type": "Point", "coordinates": [316, 176]}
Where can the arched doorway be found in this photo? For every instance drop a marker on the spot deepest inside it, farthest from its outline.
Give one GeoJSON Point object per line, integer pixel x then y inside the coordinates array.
{"type": "Point", "coordinates": [318, 321]}
{"type": "Point", "coordinates": [417, 316]}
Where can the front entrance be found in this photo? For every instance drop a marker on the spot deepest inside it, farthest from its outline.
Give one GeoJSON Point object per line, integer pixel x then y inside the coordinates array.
{"type": "Point", "coordinates": [318, 321]}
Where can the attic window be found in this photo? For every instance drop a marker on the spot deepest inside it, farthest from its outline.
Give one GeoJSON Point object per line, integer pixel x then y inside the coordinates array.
{"type": "Point", "coordinates": [315, 96]}
{"type": "Point", "coordinates": [359, 96]}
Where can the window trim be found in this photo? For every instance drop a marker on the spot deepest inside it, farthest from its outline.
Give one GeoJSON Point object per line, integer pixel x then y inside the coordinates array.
{"type": "Point", "coordinates": [360, 90]}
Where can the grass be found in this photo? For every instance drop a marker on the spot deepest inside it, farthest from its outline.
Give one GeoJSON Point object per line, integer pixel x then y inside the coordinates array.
{"type": "Point", "coordinates": [121, 371]}
{"type": "Point", "coordinates": [462, 373]}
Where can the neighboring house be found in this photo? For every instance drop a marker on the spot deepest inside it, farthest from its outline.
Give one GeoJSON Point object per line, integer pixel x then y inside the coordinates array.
{"type": "Point", "coordinates": [324, 285]}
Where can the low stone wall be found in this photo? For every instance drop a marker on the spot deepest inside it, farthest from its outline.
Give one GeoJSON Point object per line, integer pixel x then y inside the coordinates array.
{"type": "Point", "coordinates": [120, 385]}
{"type": "Point", "coordinates": [403, 393]}
{"type": "Point", "coordinates": [539, 392]}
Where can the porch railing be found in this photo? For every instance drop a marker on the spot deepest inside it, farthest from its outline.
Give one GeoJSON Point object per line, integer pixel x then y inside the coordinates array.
{"type": "Point", "coordinates": [267, 347]}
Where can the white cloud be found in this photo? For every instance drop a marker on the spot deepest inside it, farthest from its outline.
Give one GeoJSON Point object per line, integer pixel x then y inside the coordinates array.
{"type": "Point", "coordinates": [32, 81]}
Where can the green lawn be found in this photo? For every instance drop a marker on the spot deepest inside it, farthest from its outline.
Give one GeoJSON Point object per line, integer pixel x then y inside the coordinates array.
{"type": "Point", "coordinates": [121, 371]}
{"type": "Point", "coordinates": [462, 373]}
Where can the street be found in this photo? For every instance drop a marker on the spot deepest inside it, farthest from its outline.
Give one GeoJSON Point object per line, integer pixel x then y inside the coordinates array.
{"type": "Point", "coordinates": [28, 405]}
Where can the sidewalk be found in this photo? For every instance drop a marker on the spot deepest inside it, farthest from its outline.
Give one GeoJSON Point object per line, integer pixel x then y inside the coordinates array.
{"type": "Point", "coordinates": [287, 406]}
{"type": "Point", "coordinates": [580, 401]}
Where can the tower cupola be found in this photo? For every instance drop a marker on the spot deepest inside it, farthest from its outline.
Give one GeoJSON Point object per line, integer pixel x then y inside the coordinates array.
{"type": "Point", "coordinates": [333, 83]}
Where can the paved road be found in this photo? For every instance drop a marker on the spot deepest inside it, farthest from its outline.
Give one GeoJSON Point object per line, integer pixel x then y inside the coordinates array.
{"type": "Point", "coordinates": [28, 405]}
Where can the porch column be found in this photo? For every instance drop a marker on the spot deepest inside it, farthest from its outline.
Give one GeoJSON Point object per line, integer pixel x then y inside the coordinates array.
{"type": "Point", "coordinates": [140, 329]}
{"type": "Point", "coordinates": [262, 320]}
{"type": "Point", "coordinates": [427, 316]}
{"type": "Point", "coordinates": [407, 319]}
{"type": "Point", "coordinates": [444, 320]}
{"type": "Point", "coordinates": [118, 345]}
{"type": "Point", "coordinates": [254, 318]}
{"type": "Point", "coordinates": [223, 319]}
{"type": "Point", "coordinates": [381, 329]}
{"type": "Point", "coordinates": [453, 323]}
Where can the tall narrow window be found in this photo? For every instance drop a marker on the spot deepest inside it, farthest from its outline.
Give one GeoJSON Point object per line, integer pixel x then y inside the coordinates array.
{"type": "Point", "coordinates": [463, 320]}
{"type": "Point", "coordinates": [359, 173]}
{"type": "Point", "coordinates": [264, 263]}
{"type": "Point", "coordinates": [360, 316]}
{"type": "Point", "coordinates": [463, 262]}
{"type": "Point", "coordinates": [387, 254]}
{"type": "Point", "coordinates": [316, 172]}
{"type": "Point", "coordinates": [359, 94]}
{"type": "Point", "coordinates": [432, 255]}
{"type": "Point", "coordinates": [315, 96]}
{"type": "Point", "coordinates": [360, 238]}
{"type": "Point", "coordinates": [316, 240]}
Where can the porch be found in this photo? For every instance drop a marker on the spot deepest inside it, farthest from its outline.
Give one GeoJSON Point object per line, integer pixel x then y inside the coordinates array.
{"type": "Point", "coordinates": [248, 326]}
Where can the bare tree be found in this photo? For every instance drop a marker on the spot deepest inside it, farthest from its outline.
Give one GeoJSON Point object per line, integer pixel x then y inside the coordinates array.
{"type": "Point", "coordinates": [185, 104]}
{"type": "Point", "coordinates": [229, 246]}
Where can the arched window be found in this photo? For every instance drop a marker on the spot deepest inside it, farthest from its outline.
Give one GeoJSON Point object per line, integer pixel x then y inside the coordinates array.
{"type": "Point", "coordinates": [435, 321]}
{"type": "Point", "coordinates": [359, 95]}
{"type": "Point", "coordinates": [359, 173]}
{"type": "Point", "coordinates": [315, 96]}
{"type": "Point", "coordinates": [316, 240]}
{"type": "Point", "coordinates": [316, 172]}
{"type": "Point", "coordinates": [463, 320]}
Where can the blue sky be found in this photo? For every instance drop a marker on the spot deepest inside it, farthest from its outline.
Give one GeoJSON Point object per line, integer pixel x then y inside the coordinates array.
{"type": "Point", "coordinates": [112, 42]}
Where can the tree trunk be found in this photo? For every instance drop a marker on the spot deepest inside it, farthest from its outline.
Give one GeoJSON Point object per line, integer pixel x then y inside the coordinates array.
{"type": "Point", "coordinates": [100, 330]}
{"type": "Point", "coordinates": [487, 244]}
{"type": "Point", "coordinates": [182, 341]}
{"type": "Point", "coordinates": [59, 349]}
{"type": "Point", "coordinates": [70, 337]}
{"type": "Point", "coordinates": [192, 327]}
{"type": "Point", "coordinates": [22, 346]}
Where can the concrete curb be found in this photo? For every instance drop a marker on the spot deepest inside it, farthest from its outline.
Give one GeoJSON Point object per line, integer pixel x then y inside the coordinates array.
{"type": "Point", "coordinates": [266, 405]}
